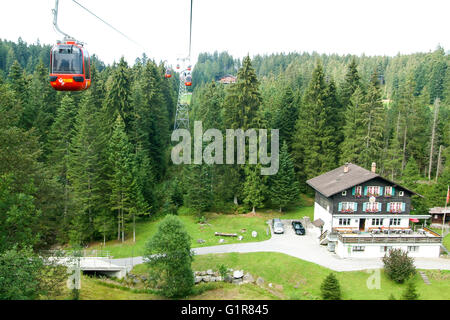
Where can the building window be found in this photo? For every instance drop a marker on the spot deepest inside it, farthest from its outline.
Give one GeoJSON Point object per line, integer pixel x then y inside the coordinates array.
{"type": "Point", "coordinates": [396, 207]}
{"type": "Point", "coordinates": [413, 248]}
{"type": "Point", "coordinates": [385, 248]}
{"type": "Point", "coordinates": [401, 193]}
{"type": "Point", "coordinates": [358, 248]}
{"type": "Point", "coordinates": [377, 222]}
{"type": "Point", "coordinates": [389, 191]}
{"type": "Point", "coordinates": [347, 206]}
{"type": "Point", "coordinates": [373, 191]}
{"type": "Point", "coordinates": [358, 191]}
{"type": "Point", "coordinates": [344, 193]}
{"type": "Point", "coordinates": [344, 222]}
{"type": "Point", "coordinates": [394, 222]}
{"type": "Point", "coordinates": [372, 207]}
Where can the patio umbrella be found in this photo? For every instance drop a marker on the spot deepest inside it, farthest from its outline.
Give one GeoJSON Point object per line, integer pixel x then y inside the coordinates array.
{"type": "Point", "coordinates": [413, 220]}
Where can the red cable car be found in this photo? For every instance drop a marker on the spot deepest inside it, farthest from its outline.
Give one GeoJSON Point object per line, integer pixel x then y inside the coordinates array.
{"type": "Point", "coordinates": [168, 73]}
{"type": "Point", "coordinates": [188, 80]}
{"type": "Point", "coordinates": [70, 67]}
{"type": "Point", "coordinates": [178, 66]}
{"type": "Point", "coordinates": [189, 68]}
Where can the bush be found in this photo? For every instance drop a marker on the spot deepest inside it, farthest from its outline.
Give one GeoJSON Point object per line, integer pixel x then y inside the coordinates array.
{"type": "Point", "coordinates": [330, 288]}
{"type": "Point", "coordinates": [169, 258]}
{"type": "Point", "coordinates": [410, 292]}
{"type": "Point", "coordinates": [223, 270]}
{"type": "Point", "coordinates": [398, 266]}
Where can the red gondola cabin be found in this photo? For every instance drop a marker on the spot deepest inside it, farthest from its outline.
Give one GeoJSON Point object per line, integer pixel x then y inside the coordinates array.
{"type": "Point", "coordinates": [188, 81]}
{"type": "Point", "coordinates": [70, 67]}
{"type": "Point", "coordinates": [168, 73]}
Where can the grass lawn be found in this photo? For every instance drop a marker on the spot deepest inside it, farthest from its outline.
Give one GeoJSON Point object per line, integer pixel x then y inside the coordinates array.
{"type": "Point", "coordinates": [293, 278]}
{"type": "Point", "coordinates": [446, 240]}
{"type": "Point", "coordinates": [228, 223]}
{"type": "Point", "coordinates": [289, 272]}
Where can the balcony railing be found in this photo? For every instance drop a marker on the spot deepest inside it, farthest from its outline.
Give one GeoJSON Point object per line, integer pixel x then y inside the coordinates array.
{"type": "Point", "coordinates": [388, 239]}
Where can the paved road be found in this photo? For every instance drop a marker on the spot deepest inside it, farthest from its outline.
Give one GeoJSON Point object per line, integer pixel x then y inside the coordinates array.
{"type": "Point", "coordinates": [305, 248]}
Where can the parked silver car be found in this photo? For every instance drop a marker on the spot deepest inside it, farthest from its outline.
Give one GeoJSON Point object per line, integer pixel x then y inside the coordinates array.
{"type": "Point", "coordinates": [277, 226]}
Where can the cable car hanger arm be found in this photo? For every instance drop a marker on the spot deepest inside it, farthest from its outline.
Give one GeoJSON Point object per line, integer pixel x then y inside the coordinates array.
{"type": "Point", "coordinates": [55, 21]}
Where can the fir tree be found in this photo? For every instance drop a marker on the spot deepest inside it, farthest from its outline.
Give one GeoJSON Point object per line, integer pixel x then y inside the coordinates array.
{"type": "Point", "coordinates": [286, 117]}
{"type": "Point", "coordinates": [86, 170]}
{"type": "Point", "coordinates": [410, 292]}
{"type": "Point", "coordinates": [330, 288]}
{"type": "Point", "coordinates": [284, 188]}
{"type": "Point", "coordinates": [254, 187]}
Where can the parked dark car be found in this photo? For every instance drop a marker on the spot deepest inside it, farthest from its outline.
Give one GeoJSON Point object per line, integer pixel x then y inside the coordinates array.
{"type": "Point", "coordinates": [298, 228]}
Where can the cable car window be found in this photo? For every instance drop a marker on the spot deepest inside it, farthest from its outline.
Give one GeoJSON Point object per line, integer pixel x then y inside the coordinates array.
{"type": "Point", "coordinates": [67, 60]}
{"type": "Point", "coordinates": [87, 67]}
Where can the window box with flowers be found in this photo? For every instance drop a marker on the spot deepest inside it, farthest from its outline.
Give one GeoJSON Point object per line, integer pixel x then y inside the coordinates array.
{"type": "Point", "coordinates": [373, 191]}
{"type": "Point", "coordinates": [389, 192]}
{"type": "Point", "coordinates": [372, 207]}
{"type": "Point", "coordinates": [347, 207]}
{"type": "Point", "coordinates": [357, 191]}
{"type": "Point", "coordinates": [396, 207]}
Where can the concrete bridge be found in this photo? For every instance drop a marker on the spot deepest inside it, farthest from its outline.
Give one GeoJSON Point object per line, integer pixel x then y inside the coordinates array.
{"type": "Point", "coordinates": [96, 265]}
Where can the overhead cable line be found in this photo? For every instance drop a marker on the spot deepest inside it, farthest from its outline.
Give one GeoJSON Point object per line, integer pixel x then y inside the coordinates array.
{"type": "Point", "coordinates": [109, 25]}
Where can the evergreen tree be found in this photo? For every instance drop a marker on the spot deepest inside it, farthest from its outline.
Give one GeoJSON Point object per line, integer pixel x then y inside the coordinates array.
{"type": "Point", "coordinates": [123, 185]}
{"type": "Point", "coordinates": [411, 173]}
{"type": "Point", "coordinates": [315, 142]}
{"type": "Point", "coordinates": [170, 258]}
{"type": "Point", "coordinates": [286, 117]}
{"type": "Point", "coordinates": [198, 187]}
{"type": "Point", "coordinates": [243, 99]}
{"type": "Point", "coordinates": [410, 292]}
{"type": "Point", "coordinates": [330, 288]}
{"type": "Point", "coordinates": [254, 187]}
{"type": "Point", "coordinates": [284, 188]}
{"type": "Point", "coordinates": [352, 82]}
{"type": "Point", "coordinates": [86, 170]}
{"type": "Point", "coordinates": [373, 120]}
{"type": "Point", "coordinates": [118, 95]}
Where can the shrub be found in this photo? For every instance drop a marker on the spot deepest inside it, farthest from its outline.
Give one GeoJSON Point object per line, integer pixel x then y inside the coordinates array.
{"type": "Point", "coordinates": [169, 258]}
{"type": "Point", "coordinates": [330, 288]}
{"type": "Point", "coordinates": [410, 292]}
{"type": "Point", "coordinates": [223, 270]}
{"type": "Point", "coordinates": [398, 266]}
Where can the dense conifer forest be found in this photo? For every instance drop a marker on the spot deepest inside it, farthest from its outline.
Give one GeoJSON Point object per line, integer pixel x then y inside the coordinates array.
{"type": "Point", "coordinates": [85, 166]}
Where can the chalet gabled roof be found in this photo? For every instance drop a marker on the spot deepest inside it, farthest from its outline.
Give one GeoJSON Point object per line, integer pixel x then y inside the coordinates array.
{"type": "Point", "coordinates": [337, 180]}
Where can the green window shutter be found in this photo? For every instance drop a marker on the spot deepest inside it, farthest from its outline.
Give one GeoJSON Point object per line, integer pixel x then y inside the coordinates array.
{"type": "Point", "coordinates": [388, 207]}
{"type": "Point", "coordinates": [340, 206]}
{"type": "Point", "coordinates": [393, 191]}
{"type": "Point", "coordinates": [379, 206]}
{"type": "Point", "coordinates": [365, 190]}
{"type": "Point", "coordinates": [364, 206]}
{"type": "Point", "coordinates": [380, 190]}
{"type": "Point", "coordinates": [355, 206]}
{"type": "Point", "coordinates": [403, 207]}
{"type": "Point", "coordinates": [353, 191]}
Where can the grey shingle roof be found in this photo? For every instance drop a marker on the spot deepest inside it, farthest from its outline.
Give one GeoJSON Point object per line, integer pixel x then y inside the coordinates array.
{"type": "Point", "coordinates": [337, 180]}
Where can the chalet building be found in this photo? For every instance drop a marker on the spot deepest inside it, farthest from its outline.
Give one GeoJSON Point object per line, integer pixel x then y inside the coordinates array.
{"type": "Point", "coordinates": [438, 214]}
{"type": "Point", "coordinates": [228, 79]}
{"type": "Point", "coordinates": [362, 214]}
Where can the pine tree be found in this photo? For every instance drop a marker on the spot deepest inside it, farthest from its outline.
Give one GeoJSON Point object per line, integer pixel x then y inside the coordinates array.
{"type": "Point", "coordinates": [410, 292]}
{"type": "Point", "coordinates": [254, 187]}
{"type": "Point", "coordinates": [411, 173]}
{"type": "Point", "coordinates": [353, 144]}
{"type": "Point", "coordinates": [60, 137]}
{"type": "Point", "coordinates": [286, 117]}
{"type": "Point", "coordinates": [315, 143]}
{"type": "Point", "coordinates": [122, 182]}
{"type": "Point", "coordinates": [86, 160]}
{"type": "Point", "coordinates": [284, 188]}
{"type": "Point", "coordinates": [393, 162]}
{"type": "Point", "coordinates": [198, 187]}
{"type": "Point", "coordinates": [373, 119]}
{"type": "Point", "coordinates": [118, 95]}
{"type": "Point", "coordinates": [243, 99]}
{"type": "Point", "coordinates": [330, 288]}
{"type": "Point", "coordinates": [352, 82]}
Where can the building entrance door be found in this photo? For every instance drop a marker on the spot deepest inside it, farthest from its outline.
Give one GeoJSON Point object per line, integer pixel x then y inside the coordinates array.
{"type": "Point", "coordinates": [362, 224]}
